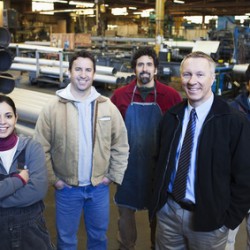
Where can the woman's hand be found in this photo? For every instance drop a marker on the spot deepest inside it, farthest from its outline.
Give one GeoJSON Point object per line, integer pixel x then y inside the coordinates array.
{"type": "Point", "coordinates": [24, 173]}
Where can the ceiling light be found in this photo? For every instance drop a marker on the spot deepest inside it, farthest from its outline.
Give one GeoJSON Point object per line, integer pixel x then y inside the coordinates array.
{"type": "Point", "coordinates": [145, 13]}
{"type": "Point", "coordinates": [85, 12]}
{"type": "Point", "coordinates": [179, 1]}
{"type": "Point", "coordinates": [119, 11]}
{"type": "Point", "coordinates": [46, 12]}
{"type": "Point", "coordinates": [64, 11]}
{"type": "Point", "coordinates": [38, 6]}
{"type": "Point", "coordinates": [82, 4]}
{"type": "Point", "coordinates": [50, 1]}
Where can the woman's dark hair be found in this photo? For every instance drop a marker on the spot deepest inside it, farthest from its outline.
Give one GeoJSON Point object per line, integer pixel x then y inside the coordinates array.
{"type": "Point", "coordinates": [145, 51]}
{"type": "Point", "coordinates": [9, 101]}
{"type": "Point", "coordinates": [84, 54]}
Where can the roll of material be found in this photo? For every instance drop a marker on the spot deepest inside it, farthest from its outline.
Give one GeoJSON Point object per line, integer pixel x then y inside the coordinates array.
{"type": "Point", "coordinates": [103, 70]}
{"type": "Point", "coordinates": [240, 68]}
{"type": "Point", "coordinates": [29, 104]}
{"type": "Point", "coordinates": [7, 83]}
{"type": "Point", "coordinates": [5, 37]}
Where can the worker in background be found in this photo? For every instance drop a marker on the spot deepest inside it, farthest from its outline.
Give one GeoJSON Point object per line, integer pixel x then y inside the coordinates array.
{"type": "Point", "coordinates": [242, 103]}
{"type": "Point", "coordinates": [85, 142]}
{"type": "Point", "coordinates": [202, 177]}
{"type": "Point", "coordinates": [23, 185]}
{"type": "Point", "coordinates": [142, 104]}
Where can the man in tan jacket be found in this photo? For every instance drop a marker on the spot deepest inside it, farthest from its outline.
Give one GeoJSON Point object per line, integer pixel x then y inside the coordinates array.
{"type": "Point", "coordinates": [85, 141]}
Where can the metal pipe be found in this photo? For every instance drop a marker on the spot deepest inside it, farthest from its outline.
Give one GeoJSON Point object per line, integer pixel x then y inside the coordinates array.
{"type": "Point", "coordinates": [180, 44]}
{"type": "Point", "coordinates": [106, 70]}
{"type": "Point", "coordinates": [56, 72]}
{"type": "Point", "coordinates": [6, 59]}
{"type": "Point", "coordinates": [40, 43]}
{"type": "Point", "coordinates": [7, 83]}
{"type": "Point", "coordinates": [240, 68]}
{"type": "Point", "coordinates": [22, 129]}
{"type": "Point", "coordinates": [124, 39]}
{"type": "Point", "coordinates": [29, 104]}
{"type": "Point", "coordinates": [5, 37]}
{"type": "Point", "coordinates": [35, 47]}
{"type": "Point", "coordinates": [159, 19]}
{"type": "Point", "coordinates": [47, 62]}
{"type": "Point", "coordinates": [55, 63]}
{"type": "Point", "coordinates": [106, 79]}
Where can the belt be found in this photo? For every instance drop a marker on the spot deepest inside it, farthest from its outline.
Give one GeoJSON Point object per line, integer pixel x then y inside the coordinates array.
{"type": "Point", "coordinates": [187, 205]}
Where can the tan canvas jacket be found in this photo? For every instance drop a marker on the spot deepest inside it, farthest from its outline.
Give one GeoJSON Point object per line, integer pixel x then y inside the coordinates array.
{"type": "Point", "coordinates": [57, 130]}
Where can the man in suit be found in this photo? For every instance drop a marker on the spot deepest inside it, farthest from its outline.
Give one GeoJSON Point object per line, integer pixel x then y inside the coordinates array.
{"type": "Point", "coordinates": [216, 186]}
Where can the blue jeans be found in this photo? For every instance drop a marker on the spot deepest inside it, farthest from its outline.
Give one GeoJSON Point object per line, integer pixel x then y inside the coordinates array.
{"type": "Point", "coordinates": [94, 203]}
{"type": "Point", "coordinates": [24, 228]}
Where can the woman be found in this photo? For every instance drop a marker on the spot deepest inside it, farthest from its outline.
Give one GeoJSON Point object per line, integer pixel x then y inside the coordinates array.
{"type": "Point", "coordinates": [23, 185]}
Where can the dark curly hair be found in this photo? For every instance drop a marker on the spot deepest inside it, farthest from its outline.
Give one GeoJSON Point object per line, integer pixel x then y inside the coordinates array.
{"type": "Point", "coordinates": [144, 51]}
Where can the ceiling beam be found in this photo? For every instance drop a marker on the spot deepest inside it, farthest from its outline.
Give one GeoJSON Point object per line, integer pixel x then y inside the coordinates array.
{"type": "Point", "coordinates": [209, 8]}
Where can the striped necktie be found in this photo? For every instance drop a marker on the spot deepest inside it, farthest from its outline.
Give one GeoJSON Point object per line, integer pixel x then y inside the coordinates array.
{"type": "Point", "coordinates": [180, 183]}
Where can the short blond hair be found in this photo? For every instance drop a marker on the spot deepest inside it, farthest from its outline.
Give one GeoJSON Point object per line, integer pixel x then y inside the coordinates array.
{"type": "Point", "coordinates": [200, 54]}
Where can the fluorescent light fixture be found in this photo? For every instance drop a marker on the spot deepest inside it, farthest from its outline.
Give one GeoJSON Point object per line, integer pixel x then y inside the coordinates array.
{"type": "Point", "coordinates": [242, 18]}
{"type": "Point", "coordinates": [179, 1]}
{"type": "Point", "coordinates": [199, 19]}
{"type": "Point", "coordinates": [132, 8]}
{"type": "Point", "coordinates": [80, 11]}
{"type": "Point", "coordinates": [82, 4]}
{"type": "Point", "coordinates": [144, 13]}
{"type": "Point", "coordinates": [43, 5]}
{"type": "Point", "coordinates": [119, 11]}
{"type": "Point", "coordinates": [112, 27]}
{"type": "Point", "coordinates": [38, 6]}
{"type": "Point", "coordinates": [51, 13]}
{"type": "Point", "coordinates": [50, 1]}
{"type": "Point", "coordinates": [85, 12]}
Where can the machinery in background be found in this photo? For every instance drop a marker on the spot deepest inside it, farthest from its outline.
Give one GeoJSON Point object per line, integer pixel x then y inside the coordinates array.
{"type": "Point", "coordinates": [226, 47]}
{"type": "Point", "coordinates": [170, 56]}
{"type": "Point", "coordinates": [241, 53]}
{"type": "Point", "coordinates": [7, 82]}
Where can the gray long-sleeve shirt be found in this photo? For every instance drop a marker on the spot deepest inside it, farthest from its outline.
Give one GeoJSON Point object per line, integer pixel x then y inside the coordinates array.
{"type": "Point", "coordinates": [13, 193]}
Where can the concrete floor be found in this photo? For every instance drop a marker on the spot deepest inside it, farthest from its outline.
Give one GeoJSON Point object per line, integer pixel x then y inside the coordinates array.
{"type": "Point", "coordinates": [143, 241]}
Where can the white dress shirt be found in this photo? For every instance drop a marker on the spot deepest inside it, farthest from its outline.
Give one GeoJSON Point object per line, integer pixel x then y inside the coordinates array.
{"type": "Point", "coordinates": [201, 114]}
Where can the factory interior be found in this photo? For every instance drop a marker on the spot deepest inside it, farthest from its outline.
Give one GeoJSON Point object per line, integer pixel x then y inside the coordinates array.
{"type": "Point", "coordinates": [38, 37]}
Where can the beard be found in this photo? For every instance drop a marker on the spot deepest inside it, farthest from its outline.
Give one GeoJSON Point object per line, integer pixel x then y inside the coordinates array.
{"type": "Point", "coordinates": [144, 78]}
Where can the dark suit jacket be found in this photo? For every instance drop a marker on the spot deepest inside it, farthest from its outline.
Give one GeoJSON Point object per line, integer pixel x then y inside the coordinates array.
{"type": "Point", "coordinates": [222, 186]}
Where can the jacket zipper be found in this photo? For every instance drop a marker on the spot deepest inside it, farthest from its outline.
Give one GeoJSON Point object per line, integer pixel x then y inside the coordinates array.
{"type": "Point", "coordinates": [154, 210]}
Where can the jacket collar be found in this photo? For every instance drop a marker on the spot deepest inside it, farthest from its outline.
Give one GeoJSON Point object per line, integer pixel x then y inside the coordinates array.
{"type": "Point", "coordinates": [99, 99]}
{"type": "Point", "coordinates": [219, 107]}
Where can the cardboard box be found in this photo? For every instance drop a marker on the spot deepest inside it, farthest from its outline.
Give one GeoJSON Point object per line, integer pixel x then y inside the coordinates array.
{"type": "Point", "coordinates": [63, 40]}
{"type": "Point", "coordinates": [82, 39]}
{"type": "Point", "coordinates": [127, 30]}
